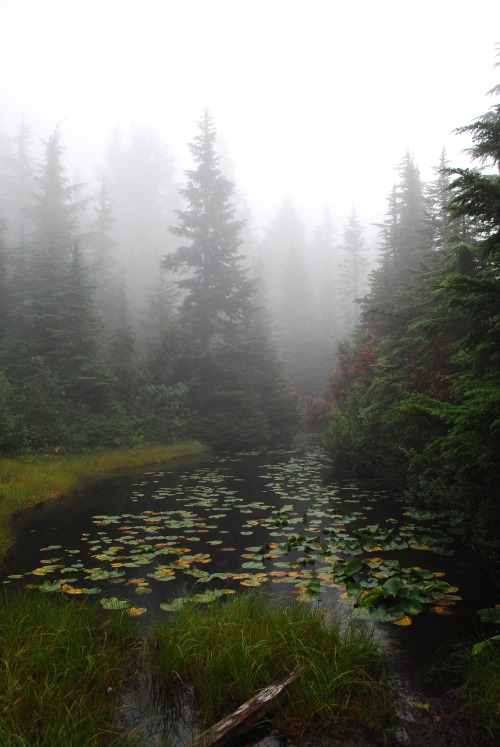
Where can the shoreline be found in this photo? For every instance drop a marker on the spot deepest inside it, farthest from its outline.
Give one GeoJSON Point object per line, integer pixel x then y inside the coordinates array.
{"type": "Point", "coordinates": [29, 481]}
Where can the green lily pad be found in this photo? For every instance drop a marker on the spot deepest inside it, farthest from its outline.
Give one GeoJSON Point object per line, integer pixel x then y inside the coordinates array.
{"type": "Point", "coordinates": [113, 603]}
{"type": "Point", "coordinates": [490, 615]}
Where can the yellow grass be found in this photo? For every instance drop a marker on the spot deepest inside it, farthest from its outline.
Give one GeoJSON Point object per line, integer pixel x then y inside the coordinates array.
{"type": "Point", "coordinates": [27, 481]}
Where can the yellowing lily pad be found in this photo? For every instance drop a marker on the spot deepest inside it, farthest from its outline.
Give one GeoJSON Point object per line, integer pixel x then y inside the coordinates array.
{"type": "Point", "coordinates": [403, 621]}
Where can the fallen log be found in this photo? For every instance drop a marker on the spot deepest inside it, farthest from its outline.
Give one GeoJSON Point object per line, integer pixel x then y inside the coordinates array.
{"type": "Point", "coordinates": [246, 717]}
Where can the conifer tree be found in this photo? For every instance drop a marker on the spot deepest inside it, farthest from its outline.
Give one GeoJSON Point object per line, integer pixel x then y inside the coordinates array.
{"type": "Point", "coordinates": [144, 196]}
{"type": "Point", "coordinates": [217, 289]}
{"type": "Point", "coordinates": [299, 338]}
{"type": "Point", "coordinates": [226, 388]}
{"type": "Point", "coordinates": [352, 271]}
{"type": "Point", "coordinates": [42, 290]}
{"type": "Point", "coordinates": [51, 346]}
{"type": "Point", "coordinates": [285, 233]}
{"type": "Point", "coordinates": [105, 268]}
{"type": "Point", "coordinates": [18, 188]}
{"type": "Point", "coordinates": [330, 332]}
{"type": "Point", "coordinates": [5, 290]}
{"type": "Point", "coordinates": [404, 243]}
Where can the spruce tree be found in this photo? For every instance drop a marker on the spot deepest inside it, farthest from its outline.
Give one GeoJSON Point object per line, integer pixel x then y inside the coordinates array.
{"type": "Point", "coordinates": [352, 271]}
{"type": "Point", "coordinates": [226, 387]}
{"type": "Point", "coordinates": [41, 291]}
{"type": "Point", "coordinates": [51, 347]}
{"type": "Point", "coordinates": [5, 289]}
{"type": "Point", "coordinates": [286, 232]}
{"type": "Point", "coordinates": [299, 334]}
{"type": "Point", "coordinates": [142, 189]}
{"type": "Point", "coordinates": [18, 188]}
{"type": "Point", "coordinates": [217, 289]}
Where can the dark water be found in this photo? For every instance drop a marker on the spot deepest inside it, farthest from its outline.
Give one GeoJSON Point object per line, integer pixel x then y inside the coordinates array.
{"type": "Point", "coordinates": [220, 525]}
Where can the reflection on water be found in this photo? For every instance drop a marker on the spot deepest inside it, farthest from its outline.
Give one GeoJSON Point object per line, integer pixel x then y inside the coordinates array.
{"type": "Point", "coordinates": [230, 522]}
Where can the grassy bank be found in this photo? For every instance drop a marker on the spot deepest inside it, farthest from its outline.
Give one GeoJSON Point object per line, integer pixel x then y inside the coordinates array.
{"type": "Point", "coordinates": [27, 481]}
{"type": "Point", "coordinates": [229, 651]}
{"type": "Point", "coordinates": [64, 664]}
{"type": "Point", "coordinates": [478, 669]}
{"type": "Point", "coordinates": [61, 674]}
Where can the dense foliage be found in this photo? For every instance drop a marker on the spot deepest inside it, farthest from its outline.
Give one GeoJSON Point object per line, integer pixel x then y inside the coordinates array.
{"type": "Point", "coordinates": [417, 394]}
{"type": "Point", "coordinates": [235, 387]}
{"type": "Point", "coordinates": [83, 363]}
{"type": "Point", "coordinates": [115, 330]}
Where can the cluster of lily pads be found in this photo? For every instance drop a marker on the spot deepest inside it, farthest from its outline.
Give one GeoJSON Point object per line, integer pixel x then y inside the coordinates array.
{"type": "Point", "coordinates": [311, 536]}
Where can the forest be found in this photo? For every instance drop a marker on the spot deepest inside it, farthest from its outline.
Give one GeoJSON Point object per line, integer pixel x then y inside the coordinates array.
{"type": "Point", "coordinates": [275, 446]}
{"type": "Point", "coordinates": [144, 313]}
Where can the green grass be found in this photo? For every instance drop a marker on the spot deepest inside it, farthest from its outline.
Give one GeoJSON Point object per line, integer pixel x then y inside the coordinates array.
{"type": "Point", "coordinates": [229, 651]}
{"type": "Point", "coordinates": [479, 691]}
{"type": "Point", "coordinates": [63, 663]}
{"type": "Point", "coordinates": [27, 481]}
{"type": "Point", "coordinates": [62, 669]}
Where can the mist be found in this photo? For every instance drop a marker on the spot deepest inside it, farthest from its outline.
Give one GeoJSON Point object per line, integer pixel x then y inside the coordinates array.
{"type": "Point", "coordinates": [307, 98]}
{"type": "Point", "coordinates": [316, 108]}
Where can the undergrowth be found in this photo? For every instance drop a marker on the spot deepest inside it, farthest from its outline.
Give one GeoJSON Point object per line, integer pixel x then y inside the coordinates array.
{"type": "Point", "coordinates": [227, 652]}
{"type": "Point", "coordinates": [62, 669]}
{"type": "Point", "coordinates": [478, 670]}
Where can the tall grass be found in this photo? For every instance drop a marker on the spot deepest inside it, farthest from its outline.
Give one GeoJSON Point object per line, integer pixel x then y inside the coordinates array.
{"type": "Point", "coordinates": [61, 674]}
{"type": "Point", "coordinates": [479, 691]}
{"type": "Point", "coordinates": [227, 652]}
{"type": "Point", "coordinates": [28, 481]}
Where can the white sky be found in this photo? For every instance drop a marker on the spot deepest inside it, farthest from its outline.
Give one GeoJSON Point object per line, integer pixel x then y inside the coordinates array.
{"type": "Point", "coordinates": [318, 97]}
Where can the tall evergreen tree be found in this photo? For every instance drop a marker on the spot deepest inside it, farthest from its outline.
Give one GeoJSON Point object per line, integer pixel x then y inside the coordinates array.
{"type": "Point", "coordinates": [437, 201]}
{"type": "Point", "coordinates": [330, 332]}
{"type": "Point", "coordinates": [217, 289]}
{"type": "Point", "coordinates": [412, 233]}
{"type": "Point", "coordinates": [5, 287]}
{"type": "Point", "coordinates": [352, 271]}
{"type": "Point", "coordinates": [405, 237]}
{"type": "Point", "coordinates": [226, 387]}
{"type": "Point", "coordinates": [105, 269]}
{"type": "Point", "coordinates": [19, 188]}
{"type": "Point", "coordinates": [39, 313]}
{"type": "Point", "coordinates": [285, 231]}
{"type": "Point", "coordinates": [144, 195]}
{"type": "Point", "coordinates": [51, 346]}
{"type": "Point", "coordinates": [299, 334]}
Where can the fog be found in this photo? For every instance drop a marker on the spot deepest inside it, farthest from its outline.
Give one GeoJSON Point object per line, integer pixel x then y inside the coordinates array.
{"type": "Point", "coordinates": [320, 99]}
{"type": "Point", "coordinates": [316, 106]}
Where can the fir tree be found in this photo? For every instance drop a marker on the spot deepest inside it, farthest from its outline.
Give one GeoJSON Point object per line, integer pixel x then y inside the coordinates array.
{"type": "Point", "coordinates": [41, 291]}
{"type": "Point", "coordinates": [5, 288]}
{"type": "Point", "coordinates": [298, 331]}
{"type": "Point", "coordinates": [19, 187]}
{"type": "Point", "coordinates": [217, 289]}
{"type": "Point", "coordinates": [352, 271]}
{"type": "Point", "coordinates": [51, 346]}
{"type": "Point", "coordinates": [142, 189]}
{"type": "Point", "coordinates": [219, 360]}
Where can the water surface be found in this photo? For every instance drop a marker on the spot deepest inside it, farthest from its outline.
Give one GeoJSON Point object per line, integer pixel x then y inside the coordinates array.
{"type": "Point", "coordinates": [228, 522]}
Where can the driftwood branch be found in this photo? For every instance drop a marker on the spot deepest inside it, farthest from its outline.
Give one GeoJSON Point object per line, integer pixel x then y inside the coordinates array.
{"type": "Point", "coordinates": [246, 717]}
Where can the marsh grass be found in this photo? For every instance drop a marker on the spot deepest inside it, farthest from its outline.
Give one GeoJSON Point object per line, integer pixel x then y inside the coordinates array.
{"type": "Point", "coordinates": [62, 669]}
{"type": "Point", "coordinates": [479, 691]}
{"type": "Point", "coordinates": [228, 651]}
{"type": "Point", "coordinates": [28, 481]}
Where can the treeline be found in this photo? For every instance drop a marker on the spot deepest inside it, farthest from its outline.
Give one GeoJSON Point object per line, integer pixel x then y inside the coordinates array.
{"type": "Point", "coordinates": [416, 395]}
{"type": "Point", "coordinates": [141, 309]}
{"type": "Point", "coordinates": [78, 368]}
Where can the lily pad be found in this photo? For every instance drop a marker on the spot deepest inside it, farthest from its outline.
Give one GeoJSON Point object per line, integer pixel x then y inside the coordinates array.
{"type": "Point", "coordinates": [113, 603]}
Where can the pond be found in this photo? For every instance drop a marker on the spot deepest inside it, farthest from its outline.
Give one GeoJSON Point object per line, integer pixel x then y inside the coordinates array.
{"type": "Point", "coordinates": [276, 520]}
